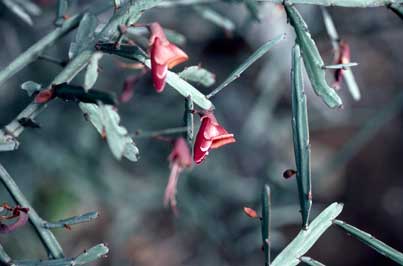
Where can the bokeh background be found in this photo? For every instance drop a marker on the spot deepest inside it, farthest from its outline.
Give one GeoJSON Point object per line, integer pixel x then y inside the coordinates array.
{"type": "Point", "coordinates": [66, 169]}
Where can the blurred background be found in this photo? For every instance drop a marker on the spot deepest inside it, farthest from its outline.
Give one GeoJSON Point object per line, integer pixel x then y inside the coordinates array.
{"type": "Point", "coordinates": [66, 169]}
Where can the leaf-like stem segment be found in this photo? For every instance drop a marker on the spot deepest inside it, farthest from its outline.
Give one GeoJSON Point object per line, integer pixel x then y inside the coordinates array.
{"type": "Point", "coordinates": [300, 132]}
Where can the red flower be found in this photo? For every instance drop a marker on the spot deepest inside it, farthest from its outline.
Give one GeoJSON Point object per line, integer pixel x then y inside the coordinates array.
{"type": "Point", "coordinates": [179, 159]}
{"type": "Point", "coordinates": [18, 212]}
{"type": "Point", "coordinates": [164, 55]}
{"type": "Point", "coordinates": [343, 58]}
{"type": "Point", "coordinates": [211, 135]}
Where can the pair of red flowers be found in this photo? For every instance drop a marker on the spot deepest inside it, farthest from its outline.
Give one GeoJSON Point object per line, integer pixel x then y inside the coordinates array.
{"type": "Point", "coordinates": [211, 135]}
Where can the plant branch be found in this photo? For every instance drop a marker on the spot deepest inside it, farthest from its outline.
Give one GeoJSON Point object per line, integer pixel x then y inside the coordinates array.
{"type": "Point", "coordinates": [4, 257]}
{"type": "Point", "coordinates": [84, 218]}
{"type": "Point", "coordinates": [46, 236]}
{"type": "Point", "coordinates": [342, 3]}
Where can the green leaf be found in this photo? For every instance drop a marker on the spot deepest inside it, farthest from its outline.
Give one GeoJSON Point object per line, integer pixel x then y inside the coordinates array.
{"type": "Point", "coordinates": [300, 132]}
{"type": "Point", "coordinates": [180, 85]}
{"type": "Point", "coordinates": [266, 223]}
{"type": "Point", "coordinates": [215, 17]}
{"type": "Point", "coordinates": [85, 34]}
{"type": "Point", "coordinates": [249, 61]}
{"type": "Point", "coordinates": [199, 75]}
{"type": "Point", "coordinates": [372, 242]}
{"type": "Point", "coordinates": [290, 256]}
{"type": "Point", "coordinates": [91, 75]}
{"type": "Point", "coordinates": [311, 262]}
{"type": "Point", "coordinates": [31, 87]}
{"type": "Point", "coordinates": [91, 255]}
{"type": "Point", "coordinates": [312, 59]}
{"type": "Point", "coordinates": [106, 120]}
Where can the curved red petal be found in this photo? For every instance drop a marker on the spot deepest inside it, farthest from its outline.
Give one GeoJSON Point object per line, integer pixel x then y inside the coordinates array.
{"type": "Point", "coordinates": [159, 71]}
{"type": "Point", "coordinates": [44, 96]}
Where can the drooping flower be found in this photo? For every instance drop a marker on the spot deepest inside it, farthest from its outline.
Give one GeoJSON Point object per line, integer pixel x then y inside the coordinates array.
{"type": "Point", "coordinates": [20, 213]}
{"type": "Point", "coordinates": [343, 57]}
{"type": "Point", "coordinates": [164, 55]}
{"type": "Point", "coordinates": [179, 159]}
{"type": "Point", "coordinates": [211, 135]}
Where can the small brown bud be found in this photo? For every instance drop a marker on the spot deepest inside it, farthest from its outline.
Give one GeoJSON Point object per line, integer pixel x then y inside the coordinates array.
{"type": "Point", "coordinates": [289, 173]}
{"type": "Point", "coordinates": [250, 212]}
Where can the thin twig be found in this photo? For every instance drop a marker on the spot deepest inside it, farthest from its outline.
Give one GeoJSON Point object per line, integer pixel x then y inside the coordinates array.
{"type": "Point", "coordinates": [4, 257]}
{"type": "Point", "coordinates": [46, 236]}
{"type": "Point", "coordinates": [153, 134]}
{"type": "Point", "coordinates": [343, 3]}
{"type": "Point", "coordinates": [84, 218]}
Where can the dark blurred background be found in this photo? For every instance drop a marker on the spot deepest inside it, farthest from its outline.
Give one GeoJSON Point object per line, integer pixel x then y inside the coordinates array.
{"type": "Point", "coordinates": [66, 169]}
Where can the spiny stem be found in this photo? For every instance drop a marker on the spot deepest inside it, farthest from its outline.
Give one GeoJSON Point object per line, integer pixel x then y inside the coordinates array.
{"type": "Point", "coordinates": [37, 49]}
{"type": "Point", "coordinates": [339, 66]}
{"type": "Point", "coordinates": [53, 60]}
{"type": "Point", "coordinates": [189, 120]}
{"type": "Point", "coordinates": [153, 134]}
{"type": "Point", "coordinates": [248, 62]}
{"type": "Point", "coordinates": [342, 3]}
{"type": "Point", "coordinates": [84, 218]}
{"type": "Point", "coordinates": [47, 237]}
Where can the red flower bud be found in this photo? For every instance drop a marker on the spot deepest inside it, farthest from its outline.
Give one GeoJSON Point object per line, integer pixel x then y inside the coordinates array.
{"type": "Point", "coordinates": [211, 135]}
{"type": "Point", "coordinates": [164, 55]}
{"type": "Point", "coordinates": [179, 159]}
{"type": "Point", "coordinates": [250, 212]}
{"type": "Point", "coordinates": [289, 173]}
{"type": "Point", "coordinates": [343, 58]}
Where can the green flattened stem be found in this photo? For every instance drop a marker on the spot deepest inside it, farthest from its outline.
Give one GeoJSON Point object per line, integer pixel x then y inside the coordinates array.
{"type": "Point", "coordinates": [86, 257]}
{"type": "Point", "coordinates": [372, 242]}
{"type": "Point", "coordinates": [189, 121]}
{"type": "Point", "coordinates": [290, 256]}
{"type": "Point", "coordinates": [300, 132]}
{"type": "Point", "coordinates": [312, 59]}
{"type": "Point", "coordinates": [173, 79]}
{"type": "Point", "coordinates": [84, 218]}
{"type": "Point", "coordinates": [262, 50]}
{"type": "Point", "coordinates": [266, 223]}
{"type": "Point", "coordinates": [311, 262]}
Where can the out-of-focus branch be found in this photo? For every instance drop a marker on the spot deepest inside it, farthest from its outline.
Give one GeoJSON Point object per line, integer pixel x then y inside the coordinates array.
{"type": "Point", "coordinates": [129, 13]}
{"type": "Point", "coordinates": [36, 50]}
{"type": "Point", "coordinates": [4, 257]}
{"type": "Point", "coordinates": [344, 3]}
{"type": "Point", "coordinates": [46, 236]}
{"type": "Point", "coordinates": [84, 218]}
{"type": "Point", "coordinates": [87, 256]}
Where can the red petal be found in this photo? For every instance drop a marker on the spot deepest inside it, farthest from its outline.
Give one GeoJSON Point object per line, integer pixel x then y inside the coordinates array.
{"type": "Point", "coordinates": [159, 71]}
{"type": "Point", "coordinates": [44, 96]}
{"type": "Point", "coordinates": [22, 220]}
{"type": "Point", "coordinates": [157, 32]}
{"type": "Point", "coordinates": [181, 153]}
{"type": "Point", "coordinates": [224, 140]}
